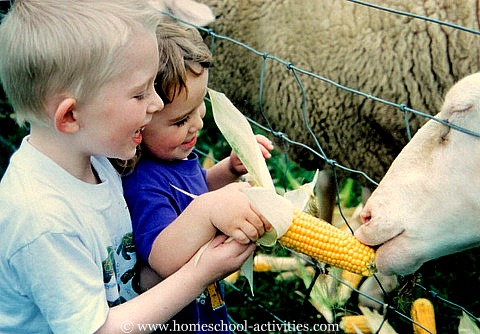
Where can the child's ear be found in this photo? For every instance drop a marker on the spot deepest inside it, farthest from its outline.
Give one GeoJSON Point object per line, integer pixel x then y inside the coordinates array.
{"type": "Point", "coordinates": [65, 116]}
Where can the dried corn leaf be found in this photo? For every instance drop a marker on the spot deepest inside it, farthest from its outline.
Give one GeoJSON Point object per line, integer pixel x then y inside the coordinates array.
{"type": "Point", "coordinates": [376, 321]}
{"type": "Point", "coordinates": [467, 325]}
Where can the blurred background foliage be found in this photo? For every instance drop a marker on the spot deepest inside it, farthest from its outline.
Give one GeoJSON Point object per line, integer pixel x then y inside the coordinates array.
{"type": "Point", "coordinates": [10, 133]}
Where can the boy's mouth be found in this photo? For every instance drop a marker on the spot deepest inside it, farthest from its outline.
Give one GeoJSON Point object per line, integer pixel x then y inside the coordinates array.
{"type": "Point", "coordinates": [137, 137]}
{"type": "Point", "coordinates": [191, 143]}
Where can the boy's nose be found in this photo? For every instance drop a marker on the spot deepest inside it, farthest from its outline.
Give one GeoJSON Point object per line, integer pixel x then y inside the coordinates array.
{"type": "Point", "coordinates": [199, 115]}
{"type": "Point", "coordinates": [156, 104]}
{"type": "Point", "coordinates": [203, 110]}
{"type": "Point", "coordinates": [198, 122]}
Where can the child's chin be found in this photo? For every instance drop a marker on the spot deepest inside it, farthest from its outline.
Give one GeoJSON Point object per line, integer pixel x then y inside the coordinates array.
{"type": "Point", "coordinates": [127, 155]}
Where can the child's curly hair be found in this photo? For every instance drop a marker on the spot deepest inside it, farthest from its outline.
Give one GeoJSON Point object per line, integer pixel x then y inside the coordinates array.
{"type": "Point", "coordinates": [179, 47]}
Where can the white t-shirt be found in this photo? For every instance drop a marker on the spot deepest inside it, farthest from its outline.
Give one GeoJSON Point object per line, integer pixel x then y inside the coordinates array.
{"type": "Point", "coordinates": [66, 247]}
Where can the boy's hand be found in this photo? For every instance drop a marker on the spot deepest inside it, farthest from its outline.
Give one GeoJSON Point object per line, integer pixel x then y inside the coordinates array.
{"type": "Point", "coordinates": [230, 212]}
{"type": "Point", "coordinates": [236, 165]}
{"type": "Point", "coordinates": [221, 258]}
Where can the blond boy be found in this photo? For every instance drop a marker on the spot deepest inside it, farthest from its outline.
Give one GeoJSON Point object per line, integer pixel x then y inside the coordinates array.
{"type": "Point", "coordinates": [81, 74]}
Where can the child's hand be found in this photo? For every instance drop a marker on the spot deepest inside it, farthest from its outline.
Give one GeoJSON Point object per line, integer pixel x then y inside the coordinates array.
{"type": "Point", "coordinates": [236, 165]}
{"type": "Point", "coordinates": [230, 212]}
{"type": "Point", "coordinates": [221, 258]}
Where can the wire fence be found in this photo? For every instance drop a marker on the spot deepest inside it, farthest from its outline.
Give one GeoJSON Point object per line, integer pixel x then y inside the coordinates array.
{"type": "Point", "coordinates": [388, 307]}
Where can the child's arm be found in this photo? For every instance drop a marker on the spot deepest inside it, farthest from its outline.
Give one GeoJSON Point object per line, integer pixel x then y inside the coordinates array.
{"type": "Point", "coordinates": [227, 209]}
{"type": "Point", "coordinates": [164, 300]}
{"type": "Point", "coordinates": [230, 169]}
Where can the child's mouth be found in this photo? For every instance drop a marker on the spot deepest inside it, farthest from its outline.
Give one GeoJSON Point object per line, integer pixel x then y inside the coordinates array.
{"type": "Point", "coordinates": [137, 138]}
{"type": "Point", "coordinates": [190, 143]}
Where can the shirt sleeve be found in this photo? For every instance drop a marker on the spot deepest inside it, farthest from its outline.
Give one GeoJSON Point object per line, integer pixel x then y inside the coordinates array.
{"type": "Point", "coordinates": [151, 212]}
{"type": "Point", "coordinates": [59, 273]}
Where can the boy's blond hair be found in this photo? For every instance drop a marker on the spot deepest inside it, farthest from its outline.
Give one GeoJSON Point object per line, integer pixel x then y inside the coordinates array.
{"type": "Point", "coordinates": [49, 47]}
{"type": "Point", "coordinates": [179, 46]}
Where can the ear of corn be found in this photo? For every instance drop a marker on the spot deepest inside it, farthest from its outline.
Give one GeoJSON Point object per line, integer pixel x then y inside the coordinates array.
{"type": "Point", "coordinates": [326, 243]}
{"type": "Point", "coordinates": [353, 280]}
{"type": "Point", "coordinates": [353, 324]}
{"type": "Point", "coordinates": [233, 277]}
{"type": "Point", "coordinates": [423, 314]}
{"type": "Point", "coordinates": [264, 262]}
{"type": "Point", "coordinates": [340, 250]}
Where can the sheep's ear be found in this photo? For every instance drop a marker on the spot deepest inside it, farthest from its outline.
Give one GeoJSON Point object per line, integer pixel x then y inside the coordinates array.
{"type": "Point", "coordinates": [188, 10]}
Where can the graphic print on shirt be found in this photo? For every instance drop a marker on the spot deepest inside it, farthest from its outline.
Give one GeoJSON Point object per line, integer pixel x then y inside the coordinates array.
{"type": "Point", "coordinates": [126, 248]}
{"type": "Point", "coordinates": [108, 266]}
{"type": "Point", "coordinates": [109, 279]}
{"type": "Point", "coordinates": [120, 270]}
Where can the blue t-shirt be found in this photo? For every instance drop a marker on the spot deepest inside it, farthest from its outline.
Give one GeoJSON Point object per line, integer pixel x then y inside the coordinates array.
{"type": "Point", "coordinates": [156, 193]}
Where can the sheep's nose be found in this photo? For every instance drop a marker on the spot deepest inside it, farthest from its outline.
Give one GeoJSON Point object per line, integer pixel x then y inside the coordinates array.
{"type": "Point", "coordinates": [365, 215]}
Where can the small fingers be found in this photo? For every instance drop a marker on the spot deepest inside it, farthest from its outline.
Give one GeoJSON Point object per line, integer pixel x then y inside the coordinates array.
{"type": "Point", "coordinates": [266, 146]}
{"type": "Point", "coordinates": [248, 231]}
{"type": "Point", "coordinates": [264, 141]}
{"type": "Point", "coordinates": [240, 237]}
{"type": "Point", "coordinates": [265, 152]}
{"type": "Point", "coordinates": [256, 225]}
{"type": "Point", "coordinates": [267, 226]}
{"type": "Point", "coordinates": [218, 239]}
{"type": "Point", "coordinates": [240, 252]}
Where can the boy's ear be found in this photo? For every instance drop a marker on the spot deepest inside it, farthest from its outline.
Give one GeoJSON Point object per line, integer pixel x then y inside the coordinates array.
{"type": "Point", "coordinates": [65, 116]}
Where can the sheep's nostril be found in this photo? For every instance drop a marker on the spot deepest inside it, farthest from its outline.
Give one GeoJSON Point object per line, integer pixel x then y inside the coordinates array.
{"type": "Point", "coordinates": [365, 216]}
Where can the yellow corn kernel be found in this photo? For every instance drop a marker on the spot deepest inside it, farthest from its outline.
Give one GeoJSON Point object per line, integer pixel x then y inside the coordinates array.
{"type": "Point", "coordinates": [233, 277]}
{"type": "Point", "coordinates": [264, 262]}
{"type": "Point", "coordinates": [328, 244]}
{"type": "Point", "coordinates": [352, 324]}
{"type": "Point", "coordinates": [423, 314]}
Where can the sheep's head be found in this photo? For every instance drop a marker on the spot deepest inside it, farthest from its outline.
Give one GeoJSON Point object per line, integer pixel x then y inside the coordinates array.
{"type": "Point", "coordinates": [427, 204]}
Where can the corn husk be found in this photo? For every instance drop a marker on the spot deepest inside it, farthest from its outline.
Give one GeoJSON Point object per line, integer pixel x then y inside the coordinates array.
{"type": "Point", "coordinates": [278, 210]}
{"type": "Point", "coordinates": [239, 135]}
{"type": "Point", "coordinates": [376, 321]}
{"type": "Point", "coordinates": [467, 325]}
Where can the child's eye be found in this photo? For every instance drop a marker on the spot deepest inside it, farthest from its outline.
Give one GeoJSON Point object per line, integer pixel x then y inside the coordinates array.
{"type": "Point", "coordinates": [182, 121]}
{"type": "Point", "coordinates": [141, 96]}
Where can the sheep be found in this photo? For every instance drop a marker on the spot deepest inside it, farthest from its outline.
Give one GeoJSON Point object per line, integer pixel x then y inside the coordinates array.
{"type": "Point", "coordinates": [427, 204]}
{"type": "Point", "coordinates": [397, 58]}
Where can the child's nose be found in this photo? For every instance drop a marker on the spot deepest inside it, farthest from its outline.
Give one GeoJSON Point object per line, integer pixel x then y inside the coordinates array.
{"type": "Point", "coordinates": [203, 110]}
{"type": "Point", "coordinates": [156, 104]}
{"type": "Point", "coordinates": [197, 122]}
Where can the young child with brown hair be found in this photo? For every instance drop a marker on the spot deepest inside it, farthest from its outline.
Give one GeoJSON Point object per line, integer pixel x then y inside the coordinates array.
{"type": "Point", "coordinates": [176, 205]}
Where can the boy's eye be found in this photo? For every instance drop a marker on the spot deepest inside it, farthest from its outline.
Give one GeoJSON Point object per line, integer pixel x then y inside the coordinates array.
{"type": "Point", "coordinates": [182, 121]}
{"type": "Point", "coordinates": [141, 96]}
